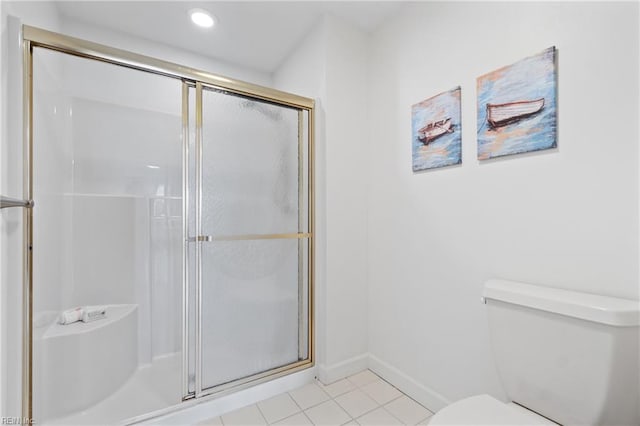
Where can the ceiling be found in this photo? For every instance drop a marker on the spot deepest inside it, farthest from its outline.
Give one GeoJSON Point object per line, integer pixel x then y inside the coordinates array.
{"type": "Point", "coordinates": [254, 34]}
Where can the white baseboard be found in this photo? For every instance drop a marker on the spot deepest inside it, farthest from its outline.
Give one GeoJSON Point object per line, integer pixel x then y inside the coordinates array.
{"type": "Point", "coordinates": [425, 396]}
{"type": "Point", "coordinates": [421, 393]}
{"type": "Point", "coordinates": [330, 373]}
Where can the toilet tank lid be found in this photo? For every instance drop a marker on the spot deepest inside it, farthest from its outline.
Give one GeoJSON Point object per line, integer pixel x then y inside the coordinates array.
{"type": "Point", "coordinates": [592, 307]}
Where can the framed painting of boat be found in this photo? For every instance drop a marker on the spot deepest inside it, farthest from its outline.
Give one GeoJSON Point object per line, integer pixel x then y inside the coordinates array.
{"type": "Point", "coordinates": [517, 107]}
{"type": "Point", "coordinates": [436, 132]}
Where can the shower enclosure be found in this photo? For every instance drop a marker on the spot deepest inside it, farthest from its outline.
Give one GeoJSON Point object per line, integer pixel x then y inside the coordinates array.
{"type": "Point", "coordinates": [178, 201]}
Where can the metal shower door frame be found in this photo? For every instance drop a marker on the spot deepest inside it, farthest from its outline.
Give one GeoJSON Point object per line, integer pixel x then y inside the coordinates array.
{"type": "Point", "coordinates": [35, 37]}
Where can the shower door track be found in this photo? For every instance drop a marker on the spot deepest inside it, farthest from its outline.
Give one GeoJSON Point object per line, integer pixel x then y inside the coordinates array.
{"type": "Point", "coordinates": [194, 78]}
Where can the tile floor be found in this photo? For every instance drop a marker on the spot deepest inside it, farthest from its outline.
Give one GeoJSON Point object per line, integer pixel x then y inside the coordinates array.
{"type": "Point", "coordinates": [361, 399]}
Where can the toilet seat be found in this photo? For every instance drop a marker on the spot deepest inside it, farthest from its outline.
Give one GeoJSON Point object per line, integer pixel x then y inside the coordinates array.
{"type": "Point", "coordinates": [485, 410]}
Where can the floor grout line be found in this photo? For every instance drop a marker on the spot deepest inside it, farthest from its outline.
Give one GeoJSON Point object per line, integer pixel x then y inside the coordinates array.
{"type": "Point", "coordinates": [428, 417]}
{"type": "Point", "coordinates": [261, 413]}
{"type": "Point", "coordinates": [366, 412]}
{"type": "Point", "coordinates": [300, 410]}
{"type": "Point", "coordinates": [391, 414]}
{"type": "Point", "coordinates": [334, 399]}
{"type": "Point", "coordinates": [294, 401]}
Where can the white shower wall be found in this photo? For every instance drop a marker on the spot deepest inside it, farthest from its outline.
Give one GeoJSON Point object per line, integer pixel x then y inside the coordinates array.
{"type": "Point", "coordinates": [108, 169]}
{"type": "Point", "coordinates": [54, 173]}
{"type": "Point", "coordinates": [127, 174]}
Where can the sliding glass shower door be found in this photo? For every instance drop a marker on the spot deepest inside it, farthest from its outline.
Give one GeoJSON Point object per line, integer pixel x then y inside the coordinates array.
{"type": "Point", "coordinates": [107, 233]}
{"type": "Point", "coordinates": [176, 207]}
{"type": "Point", "coordinates": [252, 208]}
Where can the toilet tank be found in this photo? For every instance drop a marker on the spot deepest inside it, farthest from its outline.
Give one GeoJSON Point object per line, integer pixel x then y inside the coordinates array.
{"type": "Point", "coordinates": [571, 357]}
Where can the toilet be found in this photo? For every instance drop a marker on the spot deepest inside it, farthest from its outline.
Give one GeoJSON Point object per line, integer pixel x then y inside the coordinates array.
{"type": "Point", "coordinates": [562, 357]}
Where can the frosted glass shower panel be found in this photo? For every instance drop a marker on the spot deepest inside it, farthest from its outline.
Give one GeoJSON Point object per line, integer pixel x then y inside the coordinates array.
{"type": "Point", "coordinates": [254, 283]}
{"type": "Point", "coordinates": [250, 308]}
{"type": "Point", "coordinates": [251, 166]}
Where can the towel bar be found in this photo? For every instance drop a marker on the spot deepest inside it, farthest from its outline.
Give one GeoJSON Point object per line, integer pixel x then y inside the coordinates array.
{"type": "Point", "coordinates": [6, 202]}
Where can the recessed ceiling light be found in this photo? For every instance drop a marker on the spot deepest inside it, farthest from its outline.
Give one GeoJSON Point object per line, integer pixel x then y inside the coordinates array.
{"type": "Point", "coordinates": [201, 18]}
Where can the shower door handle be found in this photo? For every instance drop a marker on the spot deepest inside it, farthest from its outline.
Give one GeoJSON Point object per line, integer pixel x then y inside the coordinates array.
{"type": "Point", "coordinates": [201, 238]}
{"type": "Point", "coordinates": [6, 202]}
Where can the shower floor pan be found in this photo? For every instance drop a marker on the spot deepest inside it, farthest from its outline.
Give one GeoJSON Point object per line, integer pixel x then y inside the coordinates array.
{"type": "Point", "coordinates": [152, 387]}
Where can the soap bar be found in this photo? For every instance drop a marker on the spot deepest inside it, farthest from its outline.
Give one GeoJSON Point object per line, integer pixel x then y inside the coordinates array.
{"type": "Point", "coordinates": [70, 316]}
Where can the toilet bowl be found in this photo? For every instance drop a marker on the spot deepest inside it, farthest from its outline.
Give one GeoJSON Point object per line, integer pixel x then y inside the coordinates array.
{"type": "Point", "coordinates": [571, 357]}
{"type": "Point", "coordinates": [484, 409]}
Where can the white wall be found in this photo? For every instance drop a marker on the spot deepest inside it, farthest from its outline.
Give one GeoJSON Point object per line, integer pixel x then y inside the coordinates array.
{"type": "Point", "coordinates": [330, 65]}
{"type": "Point", "coordinates": [162, 51]}
{"type": "Point", "coordinates": [566, 218]}
{"type": "Point", "coordinates": [347, 158]}
{"type": "Point", "coordinates": [304, 70]}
